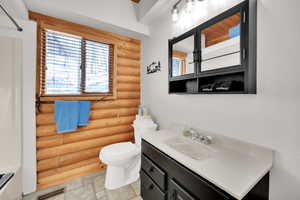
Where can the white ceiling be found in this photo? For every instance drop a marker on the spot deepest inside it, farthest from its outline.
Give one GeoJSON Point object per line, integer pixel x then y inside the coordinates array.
{"type": "Point", "coordinates": [15, 8]}
{"type": "Point", "coordinates": [119, 16]}
{"type": "Point", "coordinates": [112, 15]}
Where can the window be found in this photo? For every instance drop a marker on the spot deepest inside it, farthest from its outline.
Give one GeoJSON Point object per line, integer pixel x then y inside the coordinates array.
{"type": "Point", "coordinates": [176, 66]}
{"type": "Point", "coordinates": [73, 65]}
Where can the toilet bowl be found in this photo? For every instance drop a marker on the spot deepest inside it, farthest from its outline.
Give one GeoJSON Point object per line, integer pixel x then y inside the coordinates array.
{"type": "Point", "coordinates": [123, 159]}
{"type": "Point", "coordinates": [123, 163]}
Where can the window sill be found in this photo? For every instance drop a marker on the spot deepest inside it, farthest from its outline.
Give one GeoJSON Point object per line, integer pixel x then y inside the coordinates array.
{"type": "Point", "coordinates": [99, 97]}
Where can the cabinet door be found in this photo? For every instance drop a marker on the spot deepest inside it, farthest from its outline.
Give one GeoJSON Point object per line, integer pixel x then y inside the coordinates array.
{"type": "Point", "coordinates": [178, 193]}
{"type": "Point", "coordinates": [149, 190]}
{"type": "Point", "coordinates": [183, 55]}
{"type": "Point", "coordinates": [152, 170]}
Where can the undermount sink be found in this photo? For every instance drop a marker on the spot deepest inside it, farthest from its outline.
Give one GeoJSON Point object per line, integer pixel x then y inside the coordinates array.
{"type": "Point", "coordinates": [190, 148]}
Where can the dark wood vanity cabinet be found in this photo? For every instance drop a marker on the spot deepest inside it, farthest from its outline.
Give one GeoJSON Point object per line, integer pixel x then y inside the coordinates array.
{"type": "Point", "coordinates": [177, 192]}
{"type": "Point", "coordinates": [163, 178]}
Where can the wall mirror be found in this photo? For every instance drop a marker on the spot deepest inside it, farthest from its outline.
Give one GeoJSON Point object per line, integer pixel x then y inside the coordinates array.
{"type": "Point", "coordinates": [183, 62]}
{"type": "Point", "coordinates": [221, 44]}
{"type": "Point", "coordinates": [218, 56]}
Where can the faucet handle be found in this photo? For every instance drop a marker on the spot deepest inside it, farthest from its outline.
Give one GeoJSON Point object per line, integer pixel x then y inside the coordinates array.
{"type": "Point", "coordinates": [207, 139]}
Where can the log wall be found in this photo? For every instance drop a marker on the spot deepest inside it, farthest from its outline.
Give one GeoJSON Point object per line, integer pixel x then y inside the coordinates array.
{"type": "Point", "coordinates": [63, 157]}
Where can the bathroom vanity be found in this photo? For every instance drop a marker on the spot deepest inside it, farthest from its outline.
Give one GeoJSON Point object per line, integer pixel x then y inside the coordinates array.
{"type": "Point", "coordinates": [221, 173]}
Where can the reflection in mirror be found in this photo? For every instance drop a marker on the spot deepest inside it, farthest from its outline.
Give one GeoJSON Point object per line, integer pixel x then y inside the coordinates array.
{"type": "Point", "coordinates": [182, 58]}
{"type": "Point", "coordinates": [220, 44]}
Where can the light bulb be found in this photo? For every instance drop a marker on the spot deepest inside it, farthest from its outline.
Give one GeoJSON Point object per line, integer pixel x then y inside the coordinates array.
{"type": "Point", "coordinates": [219, 3]}
{"type": "Point", "coordinates": [200, 9]}
{"type": "Point", "coordinates": [175, 14]}
{"type": "Point", "coordinates": [189, 5]}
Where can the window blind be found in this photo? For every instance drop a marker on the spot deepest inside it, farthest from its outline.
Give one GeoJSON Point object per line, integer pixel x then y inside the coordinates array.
{"type": "Point", "coordinates": [97, 67]}
{"type": "Point", "coordinates": [74, 65]}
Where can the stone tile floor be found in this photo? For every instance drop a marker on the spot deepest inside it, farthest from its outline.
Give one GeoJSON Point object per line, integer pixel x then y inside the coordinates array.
{"type": "Point", "coordinates": [90, 187]}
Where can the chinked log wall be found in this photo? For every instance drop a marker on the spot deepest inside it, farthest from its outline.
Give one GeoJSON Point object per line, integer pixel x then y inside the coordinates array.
{"type": "Point", "coordinates": [63, 157]}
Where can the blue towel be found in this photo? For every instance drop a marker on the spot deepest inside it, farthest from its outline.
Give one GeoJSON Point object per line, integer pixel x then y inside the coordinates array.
{"type": "Point", "coordinates": [84, 113]}
{"type": "Point", "coordinates": [235, 31]}
{"type": "Point", "coordinates": [66, 116]}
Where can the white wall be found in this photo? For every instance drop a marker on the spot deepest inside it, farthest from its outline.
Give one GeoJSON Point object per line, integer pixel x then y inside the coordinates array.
{"type": "Point", "coordinates": [28, 37]}
{"type": "Point", "coordinates": [10, 101]}
{"type": "Point", "coordinates": [270, 118]}
{"type": "Point", "coordinates": [144, 7]}
{"type": "Point", "coordinates": [116, 16]}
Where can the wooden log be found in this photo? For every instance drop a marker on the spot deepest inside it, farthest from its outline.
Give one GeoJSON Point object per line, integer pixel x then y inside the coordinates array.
{"type": "Point", "coordinates": [128, 71]}
{"type": "Point", "coordinates": [49, 176]}
{"type": "Point", "coordinates": [72, 177]}
{"type": "Point", "coordinates": [50, 141]}
{"type": "Point", "coordinates": [129, 63]}
{"type": "Point", "coordinates": [134, 48]}
{"type": "Point", "coordinates": [85, 172]}
{"type": "Point", "coordinates": [47, 130]}
{"type": "Point", "coordinates": [67, 159]}
{"type": "Point", "coordinates": [80, 146]}
{"type": "Point", "coordinates": [96, 133]}
{"type": "Point", "coordinates": [124, 38]}
{"type": "Point", "coordinates": [123, 53]}
{"type": "Point", "coordinates": [48, 118]}
{"type": "Point", "coordinates": [128, 95]}
{"type": "Point", "coordinates": [49, 108]}
{"type": "Point", "coordinates": [124, 103]}
{"type": "Point", "coordinates": [110, 113]}
{"type": "Point", "coordinates": [128, 79]}
{"type": "Point", "coordinates": [66, 138]}
{"type": "Point", "coordinates": [53, 172]}
{"type": "Point", "coordinates": [47, 164]}
{"type": "Point", "coordinates": [129, 88]}
{"type": "Point", "coordinates": [72, 158]}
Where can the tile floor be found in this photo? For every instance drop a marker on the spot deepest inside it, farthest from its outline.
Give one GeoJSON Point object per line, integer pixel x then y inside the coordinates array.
{"type": "Point", "coordinates": [90, 187]}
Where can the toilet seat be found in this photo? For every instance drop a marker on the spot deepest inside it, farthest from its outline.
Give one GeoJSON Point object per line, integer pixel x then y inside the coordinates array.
{"type": "Point", "coordinates": [117, 152]}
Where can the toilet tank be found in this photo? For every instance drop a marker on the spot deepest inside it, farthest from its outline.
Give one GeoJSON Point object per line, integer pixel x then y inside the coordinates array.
{"type": "Point", "coordinates": [141, 126]}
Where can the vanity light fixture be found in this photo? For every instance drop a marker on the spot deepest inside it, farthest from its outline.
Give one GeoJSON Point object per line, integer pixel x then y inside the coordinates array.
{"type": "Point", "coordinates": [189, 5]}
{"type": "Point", "coordinates": [175, 14]}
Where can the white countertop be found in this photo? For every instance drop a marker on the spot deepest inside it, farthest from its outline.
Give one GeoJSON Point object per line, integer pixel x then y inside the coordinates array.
{"type": "Point", "coordinates": [235, 166]}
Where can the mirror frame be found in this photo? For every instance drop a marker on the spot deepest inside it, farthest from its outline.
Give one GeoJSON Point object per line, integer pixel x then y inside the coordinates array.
{"type": "Point", "coordinates": [172, 42]}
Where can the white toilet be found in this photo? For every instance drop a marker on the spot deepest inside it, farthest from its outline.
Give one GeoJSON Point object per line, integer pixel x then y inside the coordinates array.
{"type": "Point", "coordinates": [123, 159]}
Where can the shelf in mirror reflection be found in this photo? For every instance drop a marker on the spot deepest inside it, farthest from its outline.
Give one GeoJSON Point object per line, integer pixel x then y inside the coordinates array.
{"type": "Point", "coordinates": [221, 44]}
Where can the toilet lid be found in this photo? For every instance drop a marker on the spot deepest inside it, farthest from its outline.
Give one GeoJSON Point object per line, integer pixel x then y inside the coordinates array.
{"type": "Point", "coordinates": [118, 149]}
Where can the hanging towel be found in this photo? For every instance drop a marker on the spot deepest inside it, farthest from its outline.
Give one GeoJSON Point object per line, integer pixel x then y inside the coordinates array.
{"type": "Point", "coordinates": [66, 116]}
{"type": "Point", "coordinates": [84, 113]}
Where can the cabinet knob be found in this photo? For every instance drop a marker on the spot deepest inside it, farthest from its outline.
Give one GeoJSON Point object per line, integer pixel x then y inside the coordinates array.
{"type": "Point", "coordinates": [151, 187]}
{"type": "Point", "coordinates": [174, 195]}
{"type": "Point", "coordinates": [151, 169]}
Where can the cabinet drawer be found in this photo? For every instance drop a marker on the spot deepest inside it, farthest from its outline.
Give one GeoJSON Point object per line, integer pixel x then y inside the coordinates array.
{"type": "Point", "coordinates": [154, 172]}
{"type": "Point", "coordinates": [176, 192]}
{"type": "Point", "coordinates": [149, 190]}
{"type": "Point", "coordinates": [197, 186]}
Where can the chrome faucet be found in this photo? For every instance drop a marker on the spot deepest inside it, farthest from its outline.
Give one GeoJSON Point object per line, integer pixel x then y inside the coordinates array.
{"type": "Point", "coordinates": [195, 135]}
